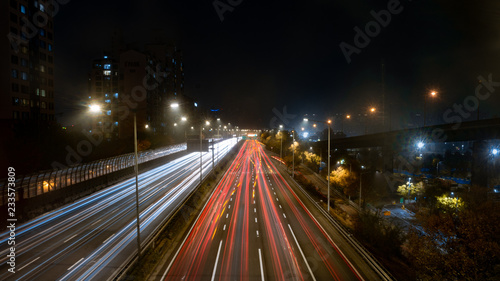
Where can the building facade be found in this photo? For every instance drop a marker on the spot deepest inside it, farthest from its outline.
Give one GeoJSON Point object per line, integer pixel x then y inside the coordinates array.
{"type": "Point", "coordinates": [141, 82]}
{"type": "Point", "coordinates": [26, 61]}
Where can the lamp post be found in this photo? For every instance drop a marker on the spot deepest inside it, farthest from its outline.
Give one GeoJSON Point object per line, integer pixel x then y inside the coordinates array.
{"type": "Point", "coordinates": [293, 153]}
{"type": "Point", "coordinates": [432, 94]}
{"type": "Point", "coordinates": [281, 142]}
{"type": "Point", "coordinates": [360, 187]}
{"type": "Point", "coordinates": [97, 109]}
{"type": "Point", "coordinates": [372, 110]}
{"type": "Point", "coordinates": [328, 177]}
{"type": "Point", "coordinates": [137, 188]}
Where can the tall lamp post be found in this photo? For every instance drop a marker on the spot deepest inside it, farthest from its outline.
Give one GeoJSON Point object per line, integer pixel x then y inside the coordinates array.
{"type": "Point", "coordinates": [281, 142]}
{"type": "Point", "coordinates": [293, 153]}
{"type": "Point", "coordinates": [329, 122]}
{"type": "Point", "coordinates": [432, 94]}
{"type": "Point", "coordinates": [360, 186]}
{"type": "Point", "coordinates": [137, 188]}
{"type": "Point", "coordinates": [372, 110]}
{"type": "Point", "coordinates": [97, 109]}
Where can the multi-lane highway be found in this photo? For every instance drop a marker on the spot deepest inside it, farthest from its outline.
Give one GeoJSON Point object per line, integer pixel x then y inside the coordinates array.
{"type": "Point", "coordinates": [95, 236]}
{"type": "Point", "coordinates": [255, 227]}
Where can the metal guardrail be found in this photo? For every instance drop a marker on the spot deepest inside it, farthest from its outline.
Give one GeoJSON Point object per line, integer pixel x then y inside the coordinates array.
{"type": "Point", "coordinates": [39, 183]}
{"type": "Point", "coordinates": [367, 256]}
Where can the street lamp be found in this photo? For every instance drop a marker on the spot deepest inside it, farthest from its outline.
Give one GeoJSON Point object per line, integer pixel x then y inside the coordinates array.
{"type": "Point", "coordinates": [95, 108]}
{"type": "Point", "coordinates": [432, 94]}
{"type": "Point", "coordinates": [281, 142]}
{"type": "Point", "coordinates": [328, 177]}
{"type": "Point", "coordinates": [372, 110]}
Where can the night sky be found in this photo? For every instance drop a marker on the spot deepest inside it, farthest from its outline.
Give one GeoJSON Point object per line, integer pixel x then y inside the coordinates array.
{"type": "Point", "coordinates": [271, 54]}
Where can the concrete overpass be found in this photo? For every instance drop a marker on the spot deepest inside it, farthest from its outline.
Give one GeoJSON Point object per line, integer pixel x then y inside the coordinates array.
{"type": "Point", "coordinates": [393, 143]}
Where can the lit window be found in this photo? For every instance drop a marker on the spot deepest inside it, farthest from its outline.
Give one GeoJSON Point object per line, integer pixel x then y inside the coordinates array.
{"type": "Point", "coordinates": [43, 93]}
{"type": "Point", "coordinates": [107, 101]}
{"type": "Point", "coordinates": [107, 66]}
{"type": "Point", "coordinates": [14, 73]}
{"type": "Point", "coordinates": [42, 68]}
{"type": "Point", "coordinates": [106, 95]}
{"type": "Point", "coordinates": [42, 8]}
{"type": "Point", "coordinates": [108, 112]}
{"type": "Point", "coordinates": [116, 123]}
{"type": "Point", "coordinates": [107, 72]}
{"type": "Point", "coordinates": [50, 47]}
{"type": "Point", "coordinates": [23, 9]}
{"type": "Point", "coordinates": [24, 76]}
{"type": "Point", "coordinates": [42, 32]}
{"type": "Point", "coordinates": [105, 57]}
{"type": "Point", "coordinates": [116, 95]}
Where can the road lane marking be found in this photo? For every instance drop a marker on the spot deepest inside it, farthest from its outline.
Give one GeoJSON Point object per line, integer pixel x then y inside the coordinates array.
{"type": "Point", "coordinates": [227, 215]}
{"type": "Point", "coordinates": [280, 207]}
{"type": "Point", "coordinates": [257, 233]}
{"type": "Point", "coordinates": [27, 264]}
{"type": "Point", "coordinates": [255, 219]}
{"type": "Point", "coordinates": [277, 199]}
{"type": "Point", "coordinates": [254, 210]}
{"type": "Point", "coordinates": [75, 264]}
{"type": "Point", "coordinates": [224, 227]}
{"type": "Point", "coordinates": [70, 238]}
{"type": "Point", "coordinates": [302, 253]}
{"type": "Point", "coordinates": [229, 206]}
{"type": "Point", "coordinates": [261, 267]}
{"type": "Point", "coordinates": [216, 261]}
{"type": "Point", "coordinates": [108, 239]}
{"type": "Point", "coordinates": [284, 215]}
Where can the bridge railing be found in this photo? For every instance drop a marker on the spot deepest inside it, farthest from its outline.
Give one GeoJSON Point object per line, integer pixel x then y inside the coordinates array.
{"type": "Point", "coordinates": [35, 184]}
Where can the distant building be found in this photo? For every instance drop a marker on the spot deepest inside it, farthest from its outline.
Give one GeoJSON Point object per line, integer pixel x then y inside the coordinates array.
{"type": "Point", "coordinates": [146, 82]}
{"type": "Point", "coordinates": [26, 62]}
{"type": "Point", "coordinates": [103, 85]}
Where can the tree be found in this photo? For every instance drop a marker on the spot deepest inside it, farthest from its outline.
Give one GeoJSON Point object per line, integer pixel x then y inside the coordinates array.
{"type": "Point", "coordinates": [411, 190]}
{"type": "Point", "coordinates": [312, 160]}
{"type": "Point", "coordinates": [461, 245]}
{"type": "Point", "coordinates": [345, 180]}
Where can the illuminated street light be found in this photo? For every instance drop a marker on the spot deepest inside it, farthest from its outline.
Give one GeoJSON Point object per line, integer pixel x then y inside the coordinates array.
{"type": "Point", "coordinates": [183, 118]}
{"type": "Point", "coordinates": [174, 105]}
{"type": "Point", "coordinates": [420, 145]}
{"type": "Point", "coordinates": [432, 94]}
{"type": "Point", "coordinates": [95, 108]}
{"type": "Point", "coordinates": [372, 110]}
{"type": "Point", "coordinates": [146, 126]}
{"type": "Point", "coordinates": [207, 122]}
{"type": "Point", "coordinates": [328, 187]}
{"type": "Point", "coordinates": [494, 151]}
